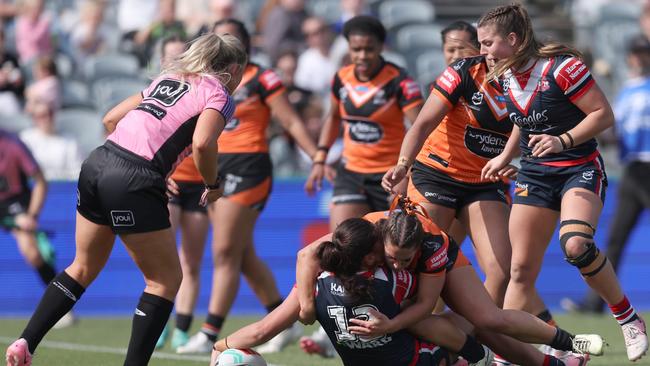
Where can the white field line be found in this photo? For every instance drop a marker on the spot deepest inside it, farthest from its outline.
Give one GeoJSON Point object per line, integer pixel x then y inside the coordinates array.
{"type": "Point", "coordinates": [113, 350]}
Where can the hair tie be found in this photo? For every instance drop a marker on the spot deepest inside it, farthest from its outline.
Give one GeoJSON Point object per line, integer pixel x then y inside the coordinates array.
{"type": "Point", "coordinates": [408, 207]}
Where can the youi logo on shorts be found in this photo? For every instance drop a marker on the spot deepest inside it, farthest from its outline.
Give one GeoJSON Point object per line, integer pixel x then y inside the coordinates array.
{"type": "Point", "coordinates": [122, 218]}
{"type": "Point", "coordinates": [167, 92]}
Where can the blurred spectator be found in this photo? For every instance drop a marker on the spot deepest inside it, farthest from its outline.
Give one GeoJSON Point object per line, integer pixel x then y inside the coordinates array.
{"type": "Point", "coordinates": [315, 67]}
{"type": "Point", "coordinates": [632, 110]}
{"type": "Point", "coordinates": [283, 28]}
{"type": "Point", "coordinates": [58, 155]}
{"type": "Point", "coordinates": [135, 15]}
{"type": "Point", "coordinates": [193, 14]}
{"type": "Point", "coordinates": [46, 86]}
{"type": "Point", "coordinates": [11, 81]}
{"type": "Point", "coordinates": [286, 68]}
{"type": "Point", "coordinates": [166, 25]}
{"type": "Point", "coordinates": [349, 10]}
{"type": "Point", "coordinates": [171, 47]}
{"type": "Point", "coordinates": [263, 14]}
{"type": "Point", "coordinates": [33, 34]}
{"type": "Point", "coordinates": [7, 9]}
{"type": "Point", "coordinates": [89, 35]}
{"type": "Point", "coordinates": [219, 9]}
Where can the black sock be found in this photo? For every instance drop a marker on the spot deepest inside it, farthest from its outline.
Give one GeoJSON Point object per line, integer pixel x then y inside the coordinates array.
{"type": "Point", "coordinates": [148, 323]}
{"type": "Point", "coordinates": [212, 326]}
{"type": "Point", "coordinates": [562, 340]}
{"type": "Point", "coordinates": [46, 272]}
{"type": "Point", "coordinates": [183, 321]}
{"type": "Point", "coordinates": [271, 307]}
{"type": "Point", "coordinates": [59, 298]}
{"type": "Point", "coordinates": [546, 317]}
{"type": "Point", "coordinates": [472, 351]}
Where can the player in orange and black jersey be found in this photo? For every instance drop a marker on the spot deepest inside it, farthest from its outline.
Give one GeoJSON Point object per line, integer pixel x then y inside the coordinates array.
{"type": "Point", "coordinates": [558, 110]}
{"type": "Point", "coordinates": [246, 172]}
{"type": "Point", "coordinates": [371, 97]}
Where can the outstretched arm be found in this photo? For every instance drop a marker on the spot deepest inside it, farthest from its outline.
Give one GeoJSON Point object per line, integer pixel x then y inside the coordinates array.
{"type": "Point", "coordinates": [307, 269]}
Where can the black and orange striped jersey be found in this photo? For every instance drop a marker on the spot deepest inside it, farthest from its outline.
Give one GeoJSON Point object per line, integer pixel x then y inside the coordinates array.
{"type": "Point", "coordinates": [477, 126]}
{"type": "Point", "coordinates": [540, 100]}
{"type": "Point", "coordinates": [432, 256]}
{"type": "Point", "coordinates": [246, 131]}
{"type": "Point", "coordinates": [373, 114]}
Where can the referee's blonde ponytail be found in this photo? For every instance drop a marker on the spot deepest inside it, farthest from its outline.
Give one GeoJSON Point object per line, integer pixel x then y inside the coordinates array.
{"type": "Point", "coordinates": [209, 54]}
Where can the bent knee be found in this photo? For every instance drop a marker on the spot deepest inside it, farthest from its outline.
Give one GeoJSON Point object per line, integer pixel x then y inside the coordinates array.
{"type": "Point", "coordinates": [522, 274]}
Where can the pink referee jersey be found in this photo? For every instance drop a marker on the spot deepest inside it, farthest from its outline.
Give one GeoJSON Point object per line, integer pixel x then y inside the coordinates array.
{"type": "Point", "coordinates": [16, 164]}
{"type": "Point", "coordinates": [160, 129]}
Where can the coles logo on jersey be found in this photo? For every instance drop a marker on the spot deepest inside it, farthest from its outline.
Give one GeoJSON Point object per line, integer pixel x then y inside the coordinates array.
{"type": "Point", "coordinates": [365, 132]}
{"type": "Point", "coordinates": [484, 143]}
{"type": "Point", "coordinates": [448, 80]}
{"type": "Point", "coordinates": [410, 89]}
{"type": "Point", "coordinates": [270, 80]}
{"type": "Point", "coordinates": [168, 92]}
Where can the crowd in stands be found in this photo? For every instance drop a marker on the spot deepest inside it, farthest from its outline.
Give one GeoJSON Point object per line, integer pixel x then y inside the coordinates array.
{"type": "Point", "coordinates": [65, 59]}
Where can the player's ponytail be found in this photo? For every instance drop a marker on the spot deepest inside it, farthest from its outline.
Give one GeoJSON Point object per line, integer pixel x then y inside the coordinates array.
{"type": "Point", "coordinates": [352, 240]}
{"type": "Point", "coordinates": [403, 228]}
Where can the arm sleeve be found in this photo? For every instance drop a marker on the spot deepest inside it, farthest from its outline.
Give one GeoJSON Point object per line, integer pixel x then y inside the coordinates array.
{"type": "Point", "coordinates": [336, 86]}
{"type": "Point", "coordinates": [409, 94]}
{"type": "Point", "coordinates": [270, 85]}
{"type": "Point", "coordinates": [449, 85]}
{"type": "Point", "coordinates": [573, 77]}
{"type": "Point", "coordinates": [434, 258]}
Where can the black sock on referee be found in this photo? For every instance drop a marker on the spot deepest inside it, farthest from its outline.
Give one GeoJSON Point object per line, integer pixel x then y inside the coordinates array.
{"type": "Point", "coordinates": [562, 341]}
{"type": "Point", "coordinates": [472, 351]}
{"type": "Point", "coordinates": [46, 272]}
{"type": "Point", "coordinates": [59, 298]}
{"type": "Point", "coordinates": [149, 320]}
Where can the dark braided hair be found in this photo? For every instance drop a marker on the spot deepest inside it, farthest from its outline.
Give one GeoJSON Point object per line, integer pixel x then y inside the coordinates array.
{"type": "Point", "coordinates": [403, 228]}
{"type": "Point", "coordinates": [351, 241]}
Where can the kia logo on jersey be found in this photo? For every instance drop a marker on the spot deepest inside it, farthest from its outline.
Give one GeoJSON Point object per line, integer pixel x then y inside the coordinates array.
{"type": "Point", "coordinates": [167, 92]}
{"type": "Point", "coordinates": [365, 131]}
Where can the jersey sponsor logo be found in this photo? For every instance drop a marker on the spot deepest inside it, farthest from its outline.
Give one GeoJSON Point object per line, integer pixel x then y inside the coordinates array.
{"type": "Point", "coordinates": [484, 143]}
{"type": "Point", "coordinates": [437, 261]}
{"type": "Point", "coordinates": [153, 110]}
{"type": "Point", "coordinates": [122, 218]}
{"type": "Point", "coordinates": [232, 124]}
{"type": "Point", "coordinates": [521, 189]}
{"type": "Point", "coordinates": [336, 289]}
{"type": "Point", "coordinates": [449, 80]}
{"type": "Point", "coordinates": [270, 80]}
{"type": "Point", "coordinates": [379, 98]}
{"type": "Point", "coordinates": [410, 89]}
{"type": "Point", "coordinates": [534, 121]}
{"type": "Point", "coordinates": [167, 92]}
{"type": "Point", "coordinates": [365, 132]}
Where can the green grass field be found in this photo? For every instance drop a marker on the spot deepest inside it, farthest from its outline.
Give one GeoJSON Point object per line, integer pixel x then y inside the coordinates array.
{"type": "Point", "coordinates": [103, 341]}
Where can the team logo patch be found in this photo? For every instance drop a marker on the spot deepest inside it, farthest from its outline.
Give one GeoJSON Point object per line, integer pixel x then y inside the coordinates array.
{"type": "Point", "coordinates": [430, 242]}
{"type": "Point", "coordinates": [410, 89]}
{"type": "Point", "coordinates": [167, 92]}
{"type": "Point", "coordinates": [521, 189]}
{"type": "Point", "coordinates": [122, 218]}
{"type": "Point", "coordinates": [270, 80]}
{"type": "Point", "coordinates": [477, 98]}
{"type": "Point", "coordinates": [365, 132]}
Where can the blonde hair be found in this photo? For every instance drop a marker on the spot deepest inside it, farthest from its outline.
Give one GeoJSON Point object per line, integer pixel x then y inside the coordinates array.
{"type": "Point", "coordinates": [209, 55]}
{"type": "Point", "coordinates": [514, 19]}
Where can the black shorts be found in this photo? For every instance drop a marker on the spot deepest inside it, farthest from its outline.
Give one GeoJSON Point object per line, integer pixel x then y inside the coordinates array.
{"type": "Point", "coordinates": [543, 185]}
{"type": "Point", "coordinates": [120, 189]}
{"type": "Point", "coordinates": [247, 178]}
{"type": "Point", "coordinates": [353, 187]}
{"type": "Point", "coordinates": [188, 197]}
{"type": "Point", "coordinates": [15, 205]}
{"type": "Point", "coordinates": [428, 184]}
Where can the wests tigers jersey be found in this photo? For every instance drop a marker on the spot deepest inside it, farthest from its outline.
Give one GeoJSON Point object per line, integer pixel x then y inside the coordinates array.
{"type": "Point", "coordinates": [334, 307]}
{"type": "Point", "coordinates": [246, 131]}
{"type": "Point", "coordinates": [432, 256]}
{"type": "Point", "coordinates": [540, 100]}
{"type": "Point", "coordinates": [373, 116]}
{"type": "Point", "coordinates": [476, 128]}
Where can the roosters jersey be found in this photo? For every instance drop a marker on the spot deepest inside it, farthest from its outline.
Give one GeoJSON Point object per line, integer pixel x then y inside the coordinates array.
{"type": "Point", "coordinates": [432, 256]}
{"type": "Point", "coordinates": [540, 100]}
{"type": "Point", "coordinates": [477, 126]}
{"type": "Point", "coordinates": [246, 131]}
{"type": "Point", "coordinates": [334, 307]}
{"type": "Point", "coordinates": [373, 116]}
{"type": "Point", "coordinates": [16, 165]}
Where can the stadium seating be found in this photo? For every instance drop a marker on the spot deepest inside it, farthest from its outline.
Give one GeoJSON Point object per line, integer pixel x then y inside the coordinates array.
{"type": "Point", "coordinates": [76, 94]}
{"type": "Point", "coordinates": [418, 36]}
{"type": "Point", "coordinates": [15, 123]}
{"type": "Point", "coordinates": [82, 124]}
{"type": "Point", "coordinates": [111, 65]}
{"type": "Point", "coordinates": [395, 13]}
